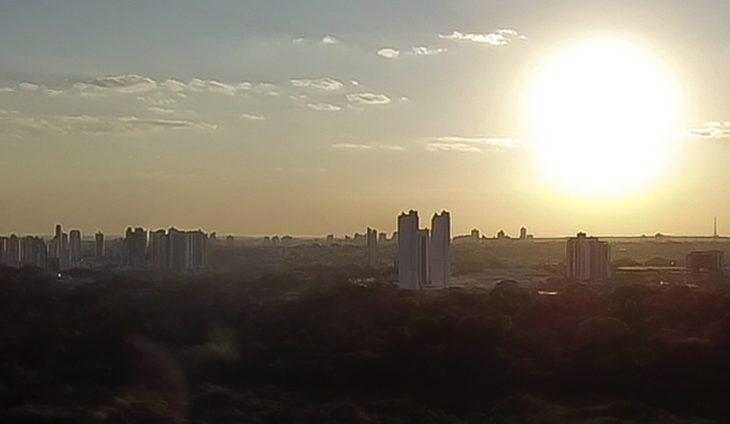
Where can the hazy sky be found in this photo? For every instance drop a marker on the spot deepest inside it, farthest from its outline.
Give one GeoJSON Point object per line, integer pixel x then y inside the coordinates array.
{"type": "Point", "coordinates": [312, 116]}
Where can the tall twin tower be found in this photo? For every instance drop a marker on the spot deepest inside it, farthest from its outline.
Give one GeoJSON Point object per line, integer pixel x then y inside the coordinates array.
{"type": "Point", "coordinates": [424, 260]}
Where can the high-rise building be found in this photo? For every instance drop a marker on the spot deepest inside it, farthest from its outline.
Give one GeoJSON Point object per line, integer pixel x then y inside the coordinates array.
{"type": "Point", "coordinates": [441, 250]}
{"type": "Point", "coordinates": [408, 249]}
{"type": "Point", "coordinates": [523, 233]}
{"type": "Point", "coordinates": [100, 246]}
{"type": "Point", "coordinates": [3, 250]}
{"type": "Point", "coordinates": [424, 258]}
{"type": "Point", "coordinates": [59, 250]}
{"type": "Point", "coordinates": [705, 262]}
{"type": "Point", "coordinates": [587, 259]}
{"type": "Point", "coordinates": [372, 242]}
{"type": "Point", "coordinates": [187, 250]}
{"type": "Point", "coordinates": [13, 252]}
{"type": "Point", "coordinates": [134, 248]}
{"type": "Point", "coordinates": [33, 252]}
{"type": "Point", "coordinates": [74, 248]}
{"type": "Point", "coordinates": [159, 250]}
{"type": "Point", "coordinates": [475, 236]}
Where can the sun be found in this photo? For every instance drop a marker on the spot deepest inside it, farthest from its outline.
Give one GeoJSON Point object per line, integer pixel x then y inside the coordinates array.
{"type": "Point", "coordinates": [602, 114]}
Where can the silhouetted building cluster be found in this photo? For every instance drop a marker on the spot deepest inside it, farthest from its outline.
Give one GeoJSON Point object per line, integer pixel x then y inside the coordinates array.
{"type": "Point", "coordinates": [424, 258]}
{"type": "Point", "coordinates": [179, 251]}
{"type": "Point", "coordinates": [587, 259]}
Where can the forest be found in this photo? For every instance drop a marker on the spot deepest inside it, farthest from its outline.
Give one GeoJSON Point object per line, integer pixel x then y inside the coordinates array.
{"type": "Point", "coordinates": [283, 348]}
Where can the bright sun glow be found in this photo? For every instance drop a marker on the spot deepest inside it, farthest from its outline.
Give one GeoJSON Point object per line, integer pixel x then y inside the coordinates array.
{"type": "Point", "coordinates": [602, 114]}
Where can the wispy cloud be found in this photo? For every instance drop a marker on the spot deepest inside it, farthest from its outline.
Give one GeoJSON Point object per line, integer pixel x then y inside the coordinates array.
{"type": "Point", "coordinates": [366, 146]}
{"type": "Point", "coordinates": [118, 83]}
{"type": "Point", "coordinates": [324, 107]}
{"type": "Point", "coordinates": [252, 117]}
{"type": "Point", "coordinates": [215, 86]}
{"type": "Point", "coordinates": [427, 51]}
{"type": "Point", "coordinates": [501, 37]}
{"type": "Point", "coordinates": [134, 123]}
{"type": "Point", "coordinates": [472, 144]}
{"type": "Point", "coordinates": [389, 53]}
{"type": "Point", "coordinates": [485, 141]}
{"type": "Point", "coordinates": [452, 147]}
{"type": "Point", "coordinates": [366, 99]}
{"type": "Point", "coordinates": [16, 124]}
{"type": "Point", "coordinates": [330, 40]}
{"type": "Point", "coordinates": [160, 110]}
{"type": "Point", "coordinates": [712, 131]}
{"type": "Point", "coordinates": [327, 84]}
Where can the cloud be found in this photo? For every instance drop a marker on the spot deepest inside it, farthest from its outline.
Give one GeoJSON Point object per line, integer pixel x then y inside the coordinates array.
{"type": "Point", "coordinates": [502, 142]}
{"type": "Point", "coordinates": [389, 53]}
{"type": "Point", "coordinates": [427, 51]}
{"type": "Point", "coordinates": [471, 144]}
{"type": "Point", "coordinates": [366, 146]}
{"type": "Point", "coordinates": [712, 131]}
{"type": "Point", "coordinates": [501, 37]}
{"type": "Point", "coordinates": [133, 122]}
{"type": "Point", "coordinates": [363, 99]}
{"type": "Point", "coordinates": [118, 83]}
{"type": "Point", "coordinates": [327, 84]}
{"type": "Point", "coordinates": [452, 147]}
{"type": "Point", "coordinates": [252, 117]}
{"type": "Point", "coordinates": [160, 110]}
{"type": "Point", "coordinates": [29, 86]}
{"type": "Point", "coordinates": [330, 40]}
{"type": "Point", "coordinates": [158, 100]}
{"type": "Point", "coordinates": [324, 107]}
{"type": "Point", "coordinates": [174, 85]}
{"type": "Point", "coordinates": [86, 124]}
{"type": "Point", "coordinates": [14, 124]}
{"type": "Point", "coordinates": [218, 87]}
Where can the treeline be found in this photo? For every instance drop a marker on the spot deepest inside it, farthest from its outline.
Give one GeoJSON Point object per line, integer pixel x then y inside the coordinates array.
{"type": "Point", "coordinates": [289, 348]}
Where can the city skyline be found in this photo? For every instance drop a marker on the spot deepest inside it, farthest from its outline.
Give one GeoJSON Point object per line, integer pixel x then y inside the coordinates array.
{"type": "Point", "coordinates": [290, 118]}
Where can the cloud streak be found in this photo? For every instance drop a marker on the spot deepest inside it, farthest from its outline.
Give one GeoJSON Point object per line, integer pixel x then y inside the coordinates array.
{"type": "Point", "coordinates": [501, 37]}
{"type": "Point", "coordinates": [389, 53]}
{"type": "Point", "coordinates": [368, 99]}
{"type": "Point", "coordinates": [326, 84]}
{"type": "Point", "coordinates": [712, 131]}
{"type": "Point", "coordinates": [472, 144]}
{"type": "Point", "coordinates": [366, 146]}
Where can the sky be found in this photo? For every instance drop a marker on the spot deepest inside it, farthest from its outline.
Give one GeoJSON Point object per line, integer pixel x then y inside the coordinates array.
{"type": "Point", "coordinates": [311, 117]}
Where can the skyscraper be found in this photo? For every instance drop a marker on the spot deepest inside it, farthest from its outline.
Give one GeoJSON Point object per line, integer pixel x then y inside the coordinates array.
{"type": "Point", "coordinates": [424, 258]}
{"type": "Point", "coordinates": [159, 250]}
{"type": "Point", "coordinates": [33, 252]}
{"type": "Point", "coordinates": [58, 251]}
{"type": "Point", "coordinates": [587, 259]}
{"type": "Point", "coordinates": [74, 248]}
{"type": "Point", "coordinates": [187, 250]}
{"type": "Point", "coordinates": [100, 246]}
{"type": "Point", "coordinates": [3, 250]}
{"type": "Point", "coordinates": [134, 248]}
{"type": "Point", "coordinates": [523, 233]}
{"type": "Point", "coordinates": [13, 252]}
{"type": "Point", "coordinates": [372, 242]}
{"type": "Point", "coordinates": [408, 247]}
{"type": "Point", "coordinates": [441, 250]}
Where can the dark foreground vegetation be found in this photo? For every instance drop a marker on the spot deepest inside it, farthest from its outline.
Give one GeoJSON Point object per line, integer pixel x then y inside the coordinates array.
{"type": "Point", "coordinates": [285, 349]}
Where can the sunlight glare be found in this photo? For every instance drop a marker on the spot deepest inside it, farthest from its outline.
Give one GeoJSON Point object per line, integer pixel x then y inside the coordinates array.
{"type": "Point", "coordinates": [602, 116]}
